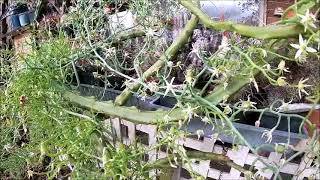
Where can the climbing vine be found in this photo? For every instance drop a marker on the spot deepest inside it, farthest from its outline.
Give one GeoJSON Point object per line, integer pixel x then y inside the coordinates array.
{"type": "Point", "coordinates": [49, 130]}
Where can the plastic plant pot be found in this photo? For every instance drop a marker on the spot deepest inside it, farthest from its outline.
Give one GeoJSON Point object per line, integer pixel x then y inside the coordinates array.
{"type": "Point", "coordinates": [24, 19]}
{"type": "Point", "coordinates": [13, 15]}
{"type": "Point", "coordinates": [14, 22]}
{"type": "Point", "coordinates": [105, 94]}
{"type": "Point", "coordinates": [251, 133]}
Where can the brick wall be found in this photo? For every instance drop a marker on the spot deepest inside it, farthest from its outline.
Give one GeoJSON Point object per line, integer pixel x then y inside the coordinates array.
{"type": "Point", "coordinates": [272, 5]}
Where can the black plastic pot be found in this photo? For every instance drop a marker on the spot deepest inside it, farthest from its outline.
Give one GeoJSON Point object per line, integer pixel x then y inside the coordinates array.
{"type": "Point", "coordinates": [14, 22]}
{"type": "Point", "coordinates": [24, 19]}
{"type": "Point", "coordinates": [105, 94]}
{"type": "Point", "coordinates": [250, 132]}
{"type": "Point", "coordinates": [13, 15]}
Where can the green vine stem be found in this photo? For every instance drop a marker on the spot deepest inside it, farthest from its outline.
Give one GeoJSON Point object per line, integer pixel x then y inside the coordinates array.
{"type": "Point", "coordinates": [269, 32]}
{"type": "Point", "coordinates": [235, 83]}
{"type": "Point", "coordinates": [169, 54]}
{"type": "Point", "coordinates": [131, 114]}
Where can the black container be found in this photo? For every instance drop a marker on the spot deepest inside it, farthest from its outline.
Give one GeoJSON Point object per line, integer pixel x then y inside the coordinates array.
{"type": "Point", "coordinates": [24, 19]}
{"type": "Point", "coordinates": [251, 133]}
{"type": "Point", "coordinates": [14, 22]}
{"type": "Point", "coordinates": [13, 14]}
{"type": "Point", "coordinates": [106, 94]}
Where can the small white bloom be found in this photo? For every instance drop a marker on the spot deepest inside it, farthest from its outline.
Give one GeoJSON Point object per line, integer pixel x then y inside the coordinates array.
{"type": "Point", "coordinates": [189, 111]}
{"type": "Point", "coordinates": [225, 98]}
{"type": "Point", "coordinates": [205, 119]}
{"type": "Point", "coordinates": [281, 81]}
{"type": "Point", "coordinates": [150, 33]}
{"type": "Point", "coordinates": [302, 47]}
{"type": "Point", "coordinates": [110, 51]}
{"type": "Point", "coordinates": [170, 87]}
{"type": "Point", "coordinates": [284, 106]}
{"type": "Point", "coordinates": [282, 66]}
{"type": "Point", "coordinates": [308, 20]}
{"type": "Point", "coordinates": [248, 104]}
{"type": "Point", "coordinates": [268, 135]}
{"type": "Point", "coordinates": [170, 64]}
{"type": "Point", "coordinates": [30, 173]}
{"type": "Point", "coordinates": [7, 147]}
{"type": "Point", "coordinates": [301, 87]}
{"type": "Point", "coordinates": [268, 66]}
{"type": "Point", "coordinates": [227, 110]}
{"type": "Point", "coordinates": [214, 71]}
{"type": "Point", "coordinates": [200, 133]}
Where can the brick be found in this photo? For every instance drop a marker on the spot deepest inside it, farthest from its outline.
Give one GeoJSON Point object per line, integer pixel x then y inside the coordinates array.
{"type": "Point", "coordinates": [271, 20]}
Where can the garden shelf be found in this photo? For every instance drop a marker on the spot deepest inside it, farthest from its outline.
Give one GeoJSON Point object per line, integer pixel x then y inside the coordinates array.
{"type": "Point", "coordinates": [127, 133]}
{"type": "Point", "coordinates": [251, 133]}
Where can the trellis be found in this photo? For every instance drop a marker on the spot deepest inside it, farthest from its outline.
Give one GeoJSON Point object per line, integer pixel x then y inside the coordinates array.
{"type": "Point", "coordinates": [127, 132]}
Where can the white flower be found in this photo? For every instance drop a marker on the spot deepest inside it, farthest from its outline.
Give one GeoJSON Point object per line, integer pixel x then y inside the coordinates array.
{"type": "Point", "coordinates": [205, 119]}
{"type": "Point", "coordinates": [227, 110]}
{"type": "Point", "coordinates": [170, 87]}
{"type": "Point", "coordinates": [189, 111]}
{"type": "Point", "coordinates": [248, 104]}
{"type": "Point", "coordinates": [281, 81]}
{"type": "Point", "coordinates": [150, 33]}
{"type": "Point", "coordinates": [268, 66]}
{"type": "Point", "coordinates": [110, 51]}
{"type": "Point", "coordinates": [284, 106]}
{"type": "Point", "coordinates": [199, 133]}
{"type": "Point", "coordinates": [225, 98]}
{"type": "Point", "coordinates": [302, 47]}
{"type": "Point", "coordinates": [30, 173]}
{"type": "Point", "coordinates": [282, 66]}
{"type": "Point", "coordinates": [268, 135]}
{"type": "Point", "coordinates": [264, 53]}
{"type": "Point", "coordinates": [301, 86]}
{"type": "Point", "coordinates": [170, 64]}
{"type": "Point", "coordinates": [195, 50]}
{"type": "Point", "coordinates": [307, 20]}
